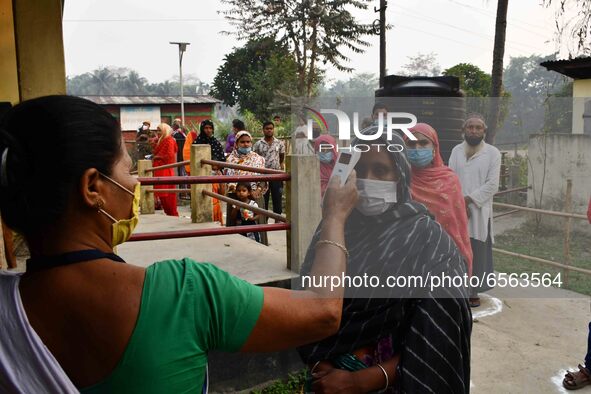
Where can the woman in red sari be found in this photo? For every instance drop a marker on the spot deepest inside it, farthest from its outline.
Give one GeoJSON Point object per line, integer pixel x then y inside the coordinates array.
{"type": "Point", "coordinates": [438, 187]}
{"type": "Point", "coordinates": [164, 150]}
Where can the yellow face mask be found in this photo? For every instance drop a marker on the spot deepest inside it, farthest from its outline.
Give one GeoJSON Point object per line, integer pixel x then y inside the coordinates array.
{"type": "Point", "coordinates": [122, 229]}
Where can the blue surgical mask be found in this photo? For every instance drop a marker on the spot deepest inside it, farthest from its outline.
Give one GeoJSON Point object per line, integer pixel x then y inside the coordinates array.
{"type": "Point", "coordinates": [420, 158]}
{"type": "Point", "coordinates": [325, 157]}
{"type": "Point", "coordinates": [244, 150]}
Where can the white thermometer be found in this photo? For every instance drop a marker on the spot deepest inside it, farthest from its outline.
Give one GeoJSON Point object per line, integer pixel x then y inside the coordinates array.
{"type": "Point", "coordinates": [345, 164]}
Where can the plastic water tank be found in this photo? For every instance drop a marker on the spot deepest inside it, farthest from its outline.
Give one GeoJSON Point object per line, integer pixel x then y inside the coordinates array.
{"type": "Point", "coordinates": [438, 101]}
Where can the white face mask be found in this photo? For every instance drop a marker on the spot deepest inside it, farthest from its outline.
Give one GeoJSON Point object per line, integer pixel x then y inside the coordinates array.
{"type": "Point", "coordinates": [375, 197]}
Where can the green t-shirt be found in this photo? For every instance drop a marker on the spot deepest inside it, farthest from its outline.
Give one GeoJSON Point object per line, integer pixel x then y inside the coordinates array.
{"type": "Point", "coordinates": [187, 309]}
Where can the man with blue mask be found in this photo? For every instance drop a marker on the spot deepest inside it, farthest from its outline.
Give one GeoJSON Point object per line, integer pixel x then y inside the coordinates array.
{"type": "Point", "coordinates": [478, 166]}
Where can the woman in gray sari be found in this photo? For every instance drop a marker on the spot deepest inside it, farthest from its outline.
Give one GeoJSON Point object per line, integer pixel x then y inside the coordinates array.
{"type": "Point", "coordinates": [395, 339]}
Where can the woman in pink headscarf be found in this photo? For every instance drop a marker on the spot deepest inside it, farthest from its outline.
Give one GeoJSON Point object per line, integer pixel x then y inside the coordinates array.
{"type": "Point", "coordinates": [325, 147]}
{"type": "Point", "coordinates": [438, 187]}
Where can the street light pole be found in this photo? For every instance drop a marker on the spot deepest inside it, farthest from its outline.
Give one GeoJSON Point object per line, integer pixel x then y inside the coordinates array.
{"type": "Point", "coordinates": [182, 49]}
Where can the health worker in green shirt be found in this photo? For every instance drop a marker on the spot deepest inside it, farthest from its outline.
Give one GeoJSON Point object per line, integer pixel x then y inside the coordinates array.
{"type": "Point", "coordinates": [80, 318]}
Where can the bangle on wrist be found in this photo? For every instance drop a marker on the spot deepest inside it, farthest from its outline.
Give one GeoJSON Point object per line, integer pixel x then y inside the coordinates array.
{"type": "Point", "coordinates": [333, 243]}
{"type": "Point", "coordinates": [386, 376]}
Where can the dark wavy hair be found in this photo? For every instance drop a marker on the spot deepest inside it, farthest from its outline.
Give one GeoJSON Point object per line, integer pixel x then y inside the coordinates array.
{"type": "Point", "coordinates": [46, 144]}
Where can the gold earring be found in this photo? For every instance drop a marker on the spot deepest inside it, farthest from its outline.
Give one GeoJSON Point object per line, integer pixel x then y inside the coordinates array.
{"type": "Point", "coordinates": [99, 204]}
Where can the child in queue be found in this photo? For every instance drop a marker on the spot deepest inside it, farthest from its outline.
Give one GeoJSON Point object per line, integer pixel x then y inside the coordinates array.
{"type": "Point", "coordinates": [243, 216]}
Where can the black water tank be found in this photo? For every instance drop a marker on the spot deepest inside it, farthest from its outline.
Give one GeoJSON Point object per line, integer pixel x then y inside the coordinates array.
{"type": "Point", "coordinates": [438, 101]}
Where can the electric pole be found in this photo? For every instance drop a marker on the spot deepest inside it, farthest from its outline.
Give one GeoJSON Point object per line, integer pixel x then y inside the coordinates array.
{"type": "Point", "coordinates": [382, 29]}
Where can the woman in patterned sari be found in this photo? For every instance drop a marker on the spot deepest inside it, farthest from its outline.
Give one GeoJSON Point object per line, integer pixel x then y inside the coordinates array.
{"type": "Point", "coordinates": [396, 339]}
{"type": "Point", "coordinates": [244, 155]}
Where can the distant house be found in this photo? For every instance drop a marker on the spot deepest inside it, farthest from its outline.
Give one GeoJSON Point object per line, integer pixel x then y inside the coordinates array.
{"type": "Point", "coordinates": [579, 69]}
{"type": "Point", "coordinates": [131, 111]}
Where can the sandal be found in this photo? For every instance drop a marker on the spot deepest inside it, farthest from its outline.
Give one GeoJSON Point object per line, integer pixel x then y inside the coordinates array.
{"type": "Point", "coordinates": [577, 379]}
{"type": "Point", "coordinates": [474, 302]}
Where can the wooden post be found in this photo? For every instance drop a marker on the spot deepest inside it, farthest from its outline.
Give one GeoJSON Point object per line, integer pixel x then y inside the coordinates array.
{"type": "Point", "coordinates": [146, 198]}
{"type": "Point", "coordinates": [568, 207]}
{"type": "Point", "coordinates": [305, 206]}
{"type": "Point", "coordinates": [201, 206]}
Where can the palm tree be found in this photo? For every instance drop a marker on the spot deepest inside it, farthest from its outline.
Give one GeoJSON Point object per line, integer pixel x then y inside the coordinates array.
{"type": "Point", "coordinates": [103, 81]}
{"type": "Point", "coordinates": [497, 69]}
{"type": "Point", "coordinates": [134, 84]}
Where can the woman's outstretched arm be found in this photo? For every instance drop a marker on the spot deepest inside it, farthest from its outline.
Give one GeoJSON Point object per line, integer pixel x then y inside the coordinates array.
{"type": "Point", "coordinates": [291, 318]}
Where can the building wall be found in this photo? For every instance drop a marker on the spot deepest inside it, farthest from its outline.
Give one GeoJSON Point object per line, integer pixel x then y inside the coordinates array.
{"type": "Point", "coordinates": [568, 156]}
{"type": "Point", "coordinates": [194, 114]}
{"type": "Point", "coordinates": [31, 49]}
{"type": "Point", "coordinates": [581, 95]}
{"type": "Point", "coordinates": [8, 67]}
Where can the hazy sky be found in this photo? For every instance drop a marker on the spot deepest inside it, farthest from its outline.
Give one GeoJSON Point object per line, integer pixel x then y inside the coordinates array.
{"type": "Point", "coordinates": [136, 34]}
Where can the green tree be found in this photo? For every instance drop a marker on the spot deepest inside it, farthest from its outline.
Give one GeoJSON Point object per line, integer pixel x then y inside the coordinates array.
{"type": "Point", "coordinates": [530, 87]}
{"type": "Point", "coordinates": [103, 81]}
{"type": "Point", "coordinates": [134, 83]}
{"type": "Point", "coordinates": [476, 85]}
{"type": "Point", "coordinates": [259, 77]}
{"type": "Point", "coordinates": [315, 31]}
{"type": "Point", "coordinates": [359, 85]}
{"type": "Point", "coordinates": [473, 81]}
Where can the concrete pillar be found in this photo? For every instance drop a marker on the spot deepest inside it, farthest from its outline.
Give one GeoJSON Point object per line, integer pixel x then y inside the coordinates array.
{"type": "Point", "coordinates": [40, 48]}
{"type": "Point", "coordinates": [146, 198]}
{"type": "Point", "coordinates": [305, 207]}
{"type": "Point", "coordinates": [201, 206]}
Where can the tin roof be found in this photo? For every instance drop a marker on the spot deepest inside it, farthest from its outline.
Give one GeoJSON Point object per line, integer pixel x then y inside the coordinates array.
{"type": "Point", "coordinates": [577, 68]}
{"type": "Point", "coordinates": [151, 100]}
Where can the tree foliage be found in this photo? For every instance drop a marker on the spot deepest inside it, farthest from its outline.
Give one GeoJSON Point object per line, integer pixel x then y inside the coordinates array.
{"type": "Point", "coordinates": [539, 98]}
{"type": "Point", "coordinates": [259, 77]}
{"type": "Point", "coordinates": [575, 24]}
{"type": "Point", "coordinates": [476, 85]}
{"type": "Point", "coordinates": [315, 31]}
{"type": "Point", "coordinates": [359, 85]}
{"type": "Point", "coordinates": [473, 81]}
{"type": "Point", "coordinates": [123, 81]}
{"type": "Point", "coordinates": [421, 65]}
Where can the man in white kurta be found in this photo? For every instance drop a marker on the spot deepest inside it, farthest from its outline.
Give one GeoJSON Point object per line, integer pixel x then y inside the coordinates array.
{"type": "Point", "coordinates": [478, 166]}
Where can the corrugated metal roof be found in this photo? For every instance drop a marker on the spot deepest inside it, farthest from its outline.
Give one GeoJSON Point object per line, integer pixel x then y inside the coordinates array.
{"type": "Point", "coordinates": [151, 100]}
{"type": "Point", "coordinates": [577, 68]}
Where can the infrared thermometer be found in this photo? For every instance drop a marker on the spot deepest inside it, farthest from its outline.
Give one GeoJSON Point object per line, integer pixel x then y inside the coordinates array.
{"type": "Point", "coordinates": [345, 164]}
